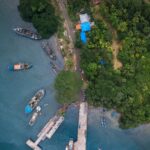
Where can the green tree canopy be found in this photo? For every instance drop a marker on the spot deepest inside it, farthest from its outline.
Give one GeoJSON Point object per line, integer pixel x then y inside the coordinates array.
{"type": "Point", "coordinates": [126, 89]}
{"type": "Point", "coordinates": [42, 14]}
{"type": "Point", "coordinates": [68, 85]}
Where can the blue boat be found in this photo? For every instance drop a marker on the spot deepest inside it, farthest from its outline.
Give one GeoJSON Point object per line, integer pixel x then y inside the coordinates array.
{"type": "Point", "coordinates": [34, 101]}
{"type": "Point", "coordinates": [19, 66]}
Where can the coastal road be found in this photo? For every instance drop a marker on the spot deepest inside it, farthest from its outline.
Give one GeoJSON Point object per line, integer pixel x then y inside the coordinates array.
{"type": "Point", "coordinates": [70, 32]}
{"type": "Point", "coordinates": [83, 112]}
{"type": "Point", "coordinates": [71, 35]}
{"type": "Point", "coordinates": [68, 23]}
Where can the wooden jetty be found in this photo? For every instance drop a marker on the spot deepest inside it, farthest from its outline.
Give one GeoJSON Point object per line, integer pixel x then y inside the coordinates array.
{"type": "Point", "coordinates": [47, 132]}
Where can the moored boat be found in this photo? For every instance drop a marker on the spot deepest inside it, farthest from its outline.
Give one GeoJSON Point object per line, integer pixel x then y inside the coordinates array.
{"type": "Point", "coordinates": [48, 50]}
{"type": "Point", "coordinates": [19, 66]}
{"type": "Point", "coordinates": [70, 145]}
{"type": "Point", "coordinates": [67, 148]}
{"type": "Point", "coordinates": [34, 101]}
{"type": "Point", "coordinates": [55, 67]}
{"type": "Point", "coordinates": [27, 33]}
{"type": "Point", "coordinates": [35, 115]}
{"type": "Point", "coordinates": [103, 121]}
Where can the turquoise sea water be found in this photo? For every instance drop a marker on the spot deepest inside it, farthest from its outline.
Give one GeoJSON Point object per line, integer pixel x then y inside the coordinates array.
{"type": "Point", "coordinates": [16, 88]}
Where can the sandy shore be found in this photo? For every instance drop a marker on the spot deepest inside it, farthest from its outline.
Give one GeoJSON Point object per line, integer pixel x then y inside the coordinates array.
{"type": "Point", "coordinates": [113, 120]}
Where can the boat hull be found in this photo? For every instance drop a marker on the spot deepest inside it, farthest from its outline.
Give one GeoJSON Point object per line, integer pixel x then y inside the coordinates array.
{"type": "Point", "coordinates": [27, 33]}
{"type": "Point", "coordinates": [35, 116]}
{"type": "Point", "coordinates": [34, 101]}
{"type": "Point", "coordinates": [48, 50]}
{"type": "Point", "coordinates": [19, 66]}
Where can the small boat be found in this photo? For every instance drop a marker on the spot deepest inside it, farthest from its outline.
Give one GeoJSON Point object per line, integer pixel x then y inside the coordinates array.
{"type": "Point", "coordinates": [48, 50]}
{"type": "Point", "coordinates": [70, 145]}
{"type": "Point", "coordinates": [35, 116]}
{"type": "Point", "coordinates": [54, 68]}
{"type": "Point", "coordinates": [27, 33]}
{"type": "Point", "coordinates": [67, 148]}
{"type": "Point", "coordinates": [19, 66]}
{"type": "Point", "coordinates": [34, 101]}
{"type": "Point", "coordinates": [103, 122]}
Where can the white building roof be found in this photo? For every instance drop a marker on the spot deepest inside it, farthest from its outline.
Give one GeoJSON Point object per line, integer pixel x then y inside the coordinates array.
{"type": "Point", "coordinates": [84, 18]}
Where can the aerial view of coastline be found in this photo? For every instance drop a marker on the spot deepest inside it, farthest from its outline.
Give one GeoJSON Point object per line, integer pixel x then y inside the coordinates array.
{"type": "Point", "coordinates": [74, 75]}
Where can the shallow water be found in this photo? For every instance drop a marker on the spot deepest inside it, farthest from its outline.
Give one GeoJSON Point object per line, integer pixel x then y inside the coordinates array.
{"type": "Point", "coordinates": [16, 88]}
{"type": "Point", "coordinates": [113, 138]}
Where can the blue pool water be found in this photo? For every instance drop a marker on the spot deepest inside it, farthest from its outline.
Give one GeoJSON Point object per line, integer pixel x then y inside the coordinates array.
{"type": "Point", "coordinates": [16, 88]}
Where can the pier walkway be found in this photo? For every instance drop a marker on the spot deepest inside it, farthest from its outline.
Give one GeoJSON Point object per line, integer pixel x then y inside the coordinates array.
{"type": "Point", "coordinates": [47, 132]}
{"type": "Point", "coordinates": [82, 127]}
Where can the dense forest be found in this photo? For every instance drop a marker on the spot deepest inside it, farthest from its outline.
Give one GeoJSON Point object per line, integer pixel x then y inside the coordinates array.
{"type": "Point", "coordinates": [75, 6]}
{"type": "Point", "coordinates": [126, 89]}
{"type": "Point", "coordinates": [42, 14]}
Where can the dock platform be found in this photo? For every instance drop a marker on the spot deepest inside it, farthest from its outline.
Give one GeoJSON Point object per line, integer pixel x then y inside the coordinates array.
{"type": "Point", "coordinates": [82, 127]}
{"type": "Point", "coordinates": [47, 132]}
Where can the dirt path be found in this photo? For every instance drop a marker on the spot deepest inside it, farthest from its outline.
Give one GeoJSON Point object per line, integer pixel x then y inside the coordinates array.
{"type": "Point", "coordinates": [116, 45]}
{"type": "Point", "coordinates": [70, 33]}
{"type": "Point", "coordinates": [147, 1]}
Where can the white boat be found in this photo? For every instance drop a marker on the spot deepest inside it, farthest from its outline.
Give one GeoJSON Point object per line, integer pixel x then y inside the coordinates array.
{"type": "Point", "coordinates": [70, 145]}
{"type": "Point", "coordinates": [35, 116]}
{"type": "Point", "coordinates": [19, 66]}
